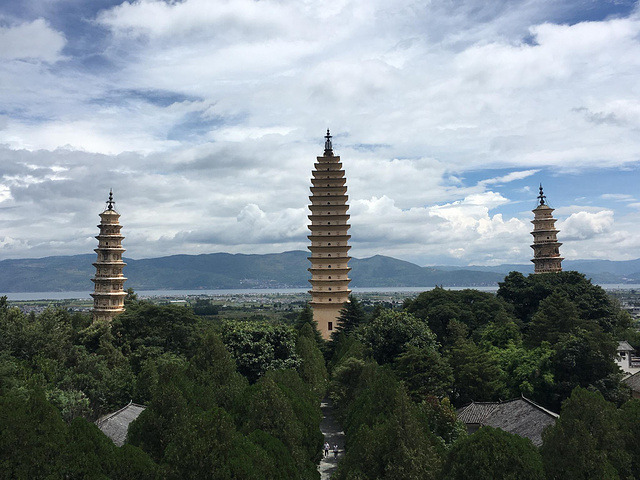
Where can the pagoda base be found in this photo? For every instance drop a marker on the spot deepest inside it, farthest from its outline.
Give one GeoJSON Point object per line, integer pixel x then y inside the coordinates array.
{"type": "Point", "coordinates": [326, 316]}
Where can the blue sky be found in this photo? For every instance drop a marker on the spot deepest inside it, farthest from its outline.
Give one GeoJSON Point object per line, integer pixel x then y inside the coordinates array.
{"type": "Point", "coordinates": [205, 118]}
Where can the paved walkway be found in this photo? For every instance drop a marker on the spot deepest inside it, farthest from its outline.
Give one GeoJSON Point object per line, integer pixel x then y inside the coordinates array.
{"type": "Point", "coordinates": [333, 434]}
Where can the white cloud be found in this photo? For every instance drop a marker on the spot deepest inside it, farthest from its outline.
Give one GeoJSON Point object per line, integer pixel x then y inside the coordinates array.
{"type": "Point", "coordinates": [206, 117]}
{"type": "Point", "coordinates": [586, 225]}
{"type": "Point", "coordinates": [35, 40]}
{"type": "Point", "coordinates": [510, 177]}
{"type": "Point", "coordinates": [620, 197]}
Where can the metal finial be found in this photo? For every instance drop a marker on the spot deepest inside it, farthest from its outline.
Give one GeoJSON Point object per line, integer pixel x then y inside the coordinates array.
{"type": "Point", "coordinates": [541, 197]}
{"type": "Point", "coordinates": [328, 147]}
{"type": "Point", "coordinates": [111, 202]}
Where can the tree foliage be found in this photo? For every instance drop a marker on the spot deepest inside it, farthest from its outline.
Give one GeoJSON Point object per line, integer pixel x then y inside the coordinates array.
{"type": "Point", "coordinates": [586, 441]}
{"type": "Point", "coordinates": [391, 333]}
{"type": "Point", "coordinates": [439, 307]}
{"type": "Point", "coordinates": [258, 347]}
{"type": "Point", "coordinates": [492, 454]}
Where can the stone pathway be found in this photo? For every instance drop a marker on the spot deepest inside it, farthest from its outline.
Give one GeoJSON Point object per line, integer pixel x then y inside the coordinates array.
{"type": "Point", "coordinates": [333, 434]}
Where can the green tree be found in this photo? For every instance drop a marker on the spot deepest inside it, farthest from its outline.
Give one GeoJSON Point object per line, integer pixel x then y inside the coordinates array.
{"type": "Point", "coordinates": [351, 317]}
{"type": "Point", "coordinates": [399, 447]}
{"type": "Point", "coordinates": [203, 307]}
{"type": "Point", "coordinates": [424, 373]}
{"type": "Point", "coordinates": [31, 438]}
{"type": "Point", "coordinates": [167, 410]}
{"type": "Point", "coordinates": [204, 447]}
{"type": "Point", "coordinates": [212, 369]}
{"type": "Point", "coordinates": [345, 382]}
{"type": "Point", "coordinates": [441, 418]}
{"type": "Point", "coordinates": [526, 371]}
{"type": "Point", "coordinates": [88, 453]}
{"type": "Point", "coordinates": [501, 332]}
{"type": "Point", "coordinates": [477, 375]}
{"type": "Point", "coordinates": [268, 407]}
{"type": "Point", "coordinates": [524, 294]}
{"type": "Point", "coordinates": [439, 307]}
{"type": "Point", "coordinates": [391, 333]}
{"type": "Point", "coordinates": [258, 347]}
{"type": "Point", "coordinates": [305, 317]}
{"type": "Point", "coordinates": [585, 359]}
{"type": "Point", "coordinates": [134, 464]}
{"type": "Point", "coordinates": [492, 454]}
{"type": "Point", "coordinates": [629, 416]}
{"type": "Point", "coordinates": [312, 368]}
{"type": "Point", "coordinates": [556, 315]}
{"type": "Point", "coordinates": [167, 328]}
{"type": "Point", "coordinates": [586, 441]}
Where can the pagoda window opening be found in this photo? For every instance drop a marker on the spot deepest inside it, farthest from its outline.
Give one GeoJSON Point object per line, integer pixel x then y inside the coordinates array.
{"type": "Point", "coordinates": [330, 325]}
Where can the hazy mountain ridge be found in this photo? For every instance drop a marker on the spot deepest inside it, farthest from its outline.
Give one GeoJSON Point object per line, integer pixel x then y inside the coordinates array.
{"type": "Point", "coordinates": [288, 269]}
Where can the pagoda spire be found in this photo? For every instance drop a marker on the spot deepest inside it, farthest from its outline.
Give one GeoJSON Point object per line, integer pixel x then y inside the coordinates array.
{"type": "Point", "coordinates": [111, 202]}
{"type": "Point", "coordinates": [108, 295]}
{"type": "Point", "coordinates": [541, 198]}
{"type": "Point", "coordinates": [329, 240]}
{"type": "Point", "coordinates": [546, 248]}
{"type": "Point", "coordinates": [328, 146]}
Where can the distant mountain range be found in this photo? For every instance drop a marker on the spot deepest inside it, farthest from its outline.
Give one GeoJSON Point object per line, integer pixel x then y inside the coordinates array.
{"type": "Point", "coordinates": [277, 270]}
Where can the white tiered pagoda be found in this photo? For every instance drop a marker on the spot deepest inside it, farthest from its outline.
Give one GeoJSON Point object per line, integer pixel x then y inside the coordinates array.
{"type": "Point", "coordinates": [329, 240]}
{"type": "Point", "coordinates": [109, 294]}
{"type": "Point", "coordinates": [546, 248]}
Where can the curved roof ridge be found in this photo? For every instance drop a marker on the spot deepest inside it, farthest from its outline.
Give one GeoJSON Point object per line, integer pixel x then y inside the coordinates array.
{"type": "Point", "coordinates": [540, 407]}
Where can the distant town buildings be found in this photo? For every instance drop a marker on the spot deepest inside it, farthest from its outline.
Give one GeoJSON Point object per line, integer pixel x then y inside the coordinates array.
{"type": "Point", "coordinates": [329, 240]}
{"type": "Point", "coordinates": [109, 294]}
{"type": "Point", "coordinates": [546, 248]}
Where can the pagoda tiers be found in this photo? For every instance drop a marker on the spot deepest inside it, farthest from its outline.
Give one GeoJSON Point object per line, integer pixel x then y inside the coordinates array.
{"type": "Point", "coordinates": [329, 240]}
{"type": "Point", "coordinates": [546, 248]}
{"type": "Point", "coordinates": [108, 296]}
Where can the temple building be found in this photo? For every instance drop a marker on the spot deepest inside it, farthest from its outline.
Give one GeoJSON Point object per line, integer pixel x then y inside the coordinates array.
{"type": "Point", "coordinates": [109, 294]}
{"type": "Point", "coordinates": [329, 240]}
{"type": "Point", "coordinates": [546, 248]}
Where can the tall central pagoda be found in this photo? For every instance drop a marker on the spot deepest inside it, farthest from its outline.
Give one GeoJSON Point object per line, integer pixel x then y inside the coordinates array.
{"type": "Point", "coordinates": [546, 248]}
{"type": "Point", "coordinates": [329, 240]}
{"type": "Point", "coordinates": [108, 296]}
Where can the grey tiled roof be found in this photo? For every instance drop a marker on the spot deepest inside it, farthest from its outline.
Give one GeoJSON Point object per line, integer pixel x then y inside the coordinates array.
{"type": "Point", "coordinates": [476, 412]}
{"type": "Point", "coordinates": [624, 346]}
{"type": "Point", "coordinates": [633, 381]}
{"type": "Point", "coordinates": [520, 416]}
{"type": "Point", "coordinates": [116, 425]}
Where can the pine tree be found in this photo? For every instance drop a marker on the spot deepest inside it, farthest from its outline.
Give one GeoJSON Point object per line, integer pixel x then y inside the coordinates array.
{"type": "Point", "coordinates": [351, 316]}
{"type": "Point", "coordinates": [306, 318]}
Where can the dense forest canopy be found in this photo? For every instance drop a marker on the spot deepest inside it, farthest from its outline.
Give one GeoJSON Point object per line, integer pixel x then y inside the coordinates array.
{"type": "Point", "coordinates": [239, 398]}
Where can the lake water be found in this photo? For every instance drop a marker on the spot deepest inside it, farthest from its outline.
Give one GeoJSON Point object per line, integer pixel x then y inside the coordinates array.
{"type": "Point", "coordinates": [255, 291]}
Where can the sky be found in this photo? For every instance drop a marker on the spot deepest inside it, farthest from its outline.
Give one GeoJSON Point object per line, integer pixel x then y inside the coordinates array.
{"type": "Point", "coordinates": [205, 118]}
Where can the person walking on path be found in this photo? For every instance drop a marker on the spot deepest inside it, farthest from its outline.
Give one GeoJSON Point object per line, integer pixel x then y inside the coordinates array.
{"type": "Point", "coordinates": [333, 435]}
